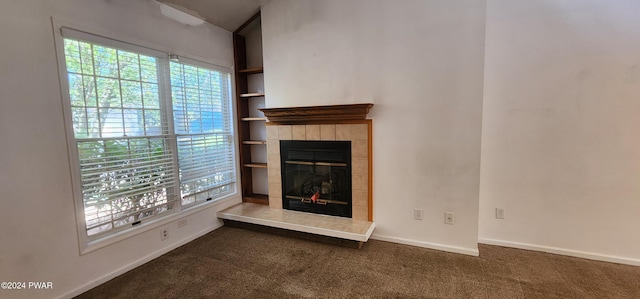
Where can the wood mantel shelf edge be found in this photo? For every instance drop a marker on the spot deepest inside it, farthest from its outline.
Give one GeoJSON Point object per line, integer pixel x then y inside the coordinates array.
{"type": "Point", "coordinates": [312, 114]}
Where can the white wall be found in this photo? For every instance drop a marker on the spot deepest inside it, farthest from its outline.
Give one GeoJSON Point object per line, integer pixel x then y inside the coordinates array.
{"type": "Point", "coordinates": [421, 64]}
{"type": "Point", "coordinates": [38, 239]}
{"type": "Point", "coordinates": [560, 147]}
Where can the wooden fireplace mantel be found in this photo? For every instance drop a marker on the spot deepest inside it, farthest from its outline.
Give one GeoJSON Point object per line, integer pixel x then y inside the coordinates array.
{"type": "Point", "coordinates": [317, 114]}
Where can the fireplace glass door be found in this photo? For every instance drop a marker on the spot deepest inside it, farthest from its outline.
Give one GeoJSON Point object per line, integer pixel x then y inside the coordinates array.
{"type": "Point", "coordinates": [316, 176]}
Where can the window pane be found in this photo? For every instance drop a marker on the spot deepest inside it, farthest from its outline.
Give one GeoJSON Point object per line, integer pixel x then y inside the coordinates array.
{"type": "Point", "coordinates": [148, 69]}
{"type": "Point", "coordinates": [133, 122]}
{"type": "Point", "coordinates": [190, 74]}
{"type": "Point", "coordinates": [72, 56]}
{"type": "Point", "coordinates": [112, 122]}
{"type": "Point", "coordinates": [131, 94]}
{"type": "Point", "coordinates": [93, 123]}
{"type": "Point", "coordinates": [86, 56]}
{"type": "Point", "coordinates": [204, 80]}
{"type": "Point", "coordinates": [129, 66]}
{"type": "Point", "coordinates": [89, 91]}
{"type": "Point", "coordinates": [85, 122]}
{"type": "Point", "coordinates": [150, 95]}
{"type": "Point", "coordinates": [105, 61]}
{"type": "Point", "coordinates": [176, 75]}
{"type": "Point", "coordinates": [76, 90]}
{"type": "Point", "coordinates": [152, 122]}
{"type": "Point", "coordinates": [80, 126]}
{"type": "Point", "coordinates": [108, 92]}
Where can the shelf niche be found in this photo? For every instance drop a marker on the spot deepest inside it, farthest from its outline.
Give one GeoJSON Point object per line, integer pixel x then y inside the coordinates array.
{"type": "Point", "coordinates": [247, 49]}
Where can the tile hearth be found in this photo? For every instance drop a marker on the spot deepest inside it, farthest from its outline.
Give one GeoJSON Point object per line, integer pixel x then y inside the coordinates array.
{"type": "Point", "coordinates": [338, 227]}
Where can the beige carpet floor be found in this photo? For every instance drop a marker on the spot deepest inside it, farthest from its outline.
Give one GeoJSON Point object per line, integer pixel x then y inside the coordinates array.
{"type": "Point", "coordinates": [244, 261]}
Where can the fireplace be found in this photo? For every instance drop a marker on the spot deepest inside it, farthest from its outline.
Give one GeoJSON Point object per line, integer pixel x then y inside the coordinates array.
{"type": "Point", "coordinates": [316, 176]}
{"type": "Point", "coordinates": [315, 140]}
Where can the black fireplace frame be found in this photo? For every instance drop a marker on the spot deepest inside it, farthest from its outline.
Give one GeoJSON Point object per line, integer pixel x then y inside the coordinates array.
{"type": "Point", "coordinates": [324, 153]}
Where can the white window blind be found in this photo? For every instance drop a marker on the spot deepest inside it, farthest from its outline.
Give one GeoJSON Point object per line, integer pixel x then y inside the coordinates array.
{"type": "Point", "coordinates": [121, 135]}
{"type": "Point", "coordinates": [128, 146]}
{"type": "Point", "coordinates": [202, 122]}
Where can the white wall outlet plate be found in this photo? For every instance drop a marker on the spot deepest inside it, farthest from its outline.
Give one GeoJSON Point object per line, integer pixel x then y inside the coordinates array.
{"type": "Point", "coordinates": [499, 213]}
{"type": "Point", "coordinates": [449, 218]}
{"type": "Point", "coordinates": [418, 214]}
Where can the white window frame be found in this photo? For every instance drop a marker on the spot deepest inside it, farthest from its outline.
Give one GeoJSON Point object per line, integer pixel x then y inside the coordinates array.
{"type": "Point", "coordinates": [74, 31]}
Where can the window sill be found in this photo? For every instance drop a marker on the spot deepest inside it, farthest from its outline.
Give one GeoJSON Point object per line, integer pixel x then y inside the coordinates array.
{"type": "Point", "coordinates": [145, 227]}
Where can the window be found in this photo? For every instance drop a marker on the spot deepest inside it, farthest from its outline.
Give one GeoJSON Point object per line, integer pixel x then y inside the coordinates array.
{"type": "Point", "coordinates": [205, 143]}
{"type": "Point", "coordinates": [148, 142]}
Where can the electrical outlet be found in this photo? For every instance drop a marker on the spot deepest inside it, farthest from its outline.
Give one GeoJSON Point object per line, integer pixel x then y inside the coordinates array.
{"type": "Point", "coordinates": [418, 214]}
{"type": "Point", "coordinates": [164, 234]}
{"type": "Point", "coordinates": [182, 222]}
{"type": "Point", "coordinates": [448, 218]}
{"type": "Point", "coordinates": [499, 213]}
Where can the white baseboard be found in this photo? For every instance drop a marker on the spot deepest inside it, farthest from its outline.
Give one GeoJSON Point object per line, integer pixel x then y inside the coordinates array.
{"type": "Point", "coordinates": [139, 262]}
{"type": "Point", "coordinates": [441, 247]}
{"type": "Point", "coordinates": [563, 251]}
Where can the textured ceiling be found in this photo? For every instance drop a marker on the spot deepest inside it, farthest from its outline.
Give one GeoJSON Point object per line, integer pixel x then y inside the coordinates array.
{"type": "Point", "coordinates": [227, 14]}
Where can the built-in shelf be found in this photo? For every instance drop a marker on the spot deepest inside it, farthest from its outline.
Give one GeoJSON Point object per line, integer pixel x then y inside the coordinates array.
{"type": "Point", "coordinates": [249, 96]}
{"type": "Point", "coordinates": [254, 142]}
{"type": "Point", "coordinates": [252, 95]}
{"type": "Point", "coordinates": [253, 119]}
{"type": "Point", "coordinates": [255, 70]}
{"type": "Point", "coordinates": [255, 165]}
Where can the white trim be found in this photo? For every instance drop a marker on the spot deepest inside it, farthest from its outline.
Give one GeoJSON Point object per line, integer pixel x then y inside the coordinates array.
{"type": "Point", "coordinates": [441, 247]}
{"type": "Point", "coordinates": [563, 251]}
{"type": "Point", "coordinates": [90, 285]}
{"type": "Point", "coordinates": [234, 132]}
{"type": "Point", "coordinates": [72, 151]}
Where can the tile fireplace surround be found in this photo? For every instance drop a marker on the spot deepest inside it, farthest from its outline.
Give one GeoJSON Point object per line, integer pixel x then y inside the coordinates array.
{"type": "Point", "coordinates": [324, 123]}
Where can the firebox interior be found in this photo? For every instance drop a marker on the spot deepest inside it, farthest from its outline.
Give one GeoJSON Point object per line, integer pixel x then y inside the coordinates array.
{"type": "Point", "coordinates": [316, 176]}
